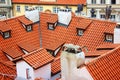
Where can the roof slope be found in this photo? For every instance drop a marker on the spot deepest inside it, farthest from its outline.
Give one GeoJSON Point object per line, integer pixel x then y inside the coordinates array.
{"type": "Point", "coordinates": [19, 34]}
{"type": "Point", "coordinates": [107, 67]}
{"type": "Point", "coordinates": [93, 35]}
{"type": "Point", "coordinates": [38, 58]}
{"type": "Point", "coordinates": [6, 72]}
{"type": "Point", "coordinates": [60, 2]}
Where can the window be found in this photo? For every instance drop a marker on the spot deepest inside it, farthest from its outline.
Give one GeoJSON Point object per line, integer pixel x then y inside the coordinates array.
{"type": "Point", "coordinates": [51, 26]}
{"type": "Point", "coordinates": [26, 8]}
{"type": "Point", "coordinates": [51, 52]}
{"type": "Point", "coordinates": [55, 9]}
{"type": "Point", "coordinates": [40, 8]}
{"type": "Point", "coordinates": [18, 9]}
{"type": "Point", "coordinates": [29, 28]}
{"type": "Point", "coordinates": [2, 1]}
{"type": "Point", "coordinates": [109, 37]}
{"type": "Point", "coordinates": [102, 16]}
{"type": "Point", "coordinates": [113, 1]}
{"type": "Point", "coordinates": [6, 34]}
{"type": "Point", "coordinates": [102, 1]}
{"type": "Point", "coordinates": [112, 17]}
{"type": "Point", "coordinates": [80, 32]}
{"type": "Point", "coordinates": [93, 2]}
{"type": "Point", "coordinates": [28, 74]}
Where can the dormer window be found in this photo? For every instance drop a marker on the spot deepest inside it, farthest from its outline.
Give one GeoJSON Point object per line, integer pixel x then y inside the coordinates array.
{"type": "Point", "coordinates": [109, 37]}
{"type": "Point", "coordinates": [51, 26]}
{"type": "Point", "coordinates": [29, 28]}
{"type": "Point", "coordinates": [80, 32]}
{"type": "Point", "coordinates": [6, 34]}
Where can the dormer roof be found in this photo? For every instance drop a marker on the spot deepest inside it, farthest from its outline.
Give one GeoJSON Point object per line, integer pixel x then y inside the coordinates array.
{"type": "Point", "coordinates": [53, 18]}
{"type": "Point", "coordinates": [38, 58]}
{"type": "Point", "coordinates": [4, 26]}
{"type": "Point", "coordinates": [25, 21]}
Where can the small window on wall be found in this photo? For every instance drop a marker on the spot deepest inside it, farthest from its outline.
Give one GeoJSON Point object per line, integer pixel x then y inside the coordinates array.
{"type": "Point", "coordinates": [93, 1]}
{"type": "Point", "coordinates": [28, 74]}
{"type": "Point", "coordinates": [112, 17]}
{"type": "Point", "coordinates": [80, 32]}
{"type": "Point", "coordinates": [18, 8]}
{"type": "Point", "coordinates": [109, 37]}
{"type": "Point", "coordinates": [113, 1]}
{"type": "Point", "coordinates": [102, 1]}
{"type": "Point", "coordinates": [26, 8]}
{"type": "Point", "coordinates": [2, 1]}
{"type": "Point", "coordinates": [102, 16]}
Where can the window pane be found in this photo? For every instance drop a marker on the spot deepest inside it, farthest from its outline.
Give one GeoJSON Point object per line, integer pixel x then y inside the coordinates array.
{"type": "Point", "coordinates": [26, 8]}
{"type": "Point", "coordinates": [93, 2]}
{"type": "Point", "coordinates": [18, 8]}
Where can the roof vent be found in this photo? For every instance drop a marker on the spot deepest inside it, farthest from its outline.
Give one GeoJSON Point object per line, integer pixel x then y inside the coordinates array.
{"type": "Point", "coordinates": [32, 15]}
{"type": "Point", "coordinates": [64, 16]}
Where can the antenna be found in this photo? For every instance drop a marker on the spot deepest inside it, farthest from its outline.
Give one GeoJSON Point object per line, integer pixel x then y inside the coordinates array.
{"type": "Point", "coordinates": [108, 11]}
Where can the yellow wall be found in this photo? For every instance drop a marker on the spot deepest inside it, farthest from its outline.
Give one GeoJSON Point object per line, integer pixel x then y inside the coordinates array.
{"type": "Point", "coordinates": [45, 7]}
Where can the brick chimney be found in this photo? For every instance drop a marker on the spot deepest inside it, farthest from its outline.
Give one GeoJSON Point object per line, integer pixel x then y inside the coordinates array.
{"type": "Point", "coordinates": [71, 57]}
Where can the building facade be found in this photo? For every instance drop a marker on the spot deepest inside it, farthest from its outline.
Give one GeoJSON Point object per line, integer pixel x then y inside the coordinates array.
{"type": "Point", "coordinates": [51, 6]}
{"type": "Point", "coordinates": [5, 9]}
{"type": "Point", "coordinates": [100, 6]}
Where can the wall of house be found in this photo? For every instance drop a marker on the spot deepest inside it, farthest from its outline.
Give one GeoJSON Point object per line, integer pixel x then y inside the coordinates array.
{"type": "Point", "coordinates": [21, 70]}
{"type": "Point", "coordinates": [44, 72]}
{"type": "Point", "coordinates": [45, 7]}
{"type": "Point", "coordinates": [56, 51]}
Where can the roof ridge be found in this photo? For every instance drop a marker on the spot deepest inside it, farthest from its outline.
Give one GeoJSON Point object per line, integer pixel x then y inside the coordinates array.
{"type": "Point", "coordinates": [33, 52]}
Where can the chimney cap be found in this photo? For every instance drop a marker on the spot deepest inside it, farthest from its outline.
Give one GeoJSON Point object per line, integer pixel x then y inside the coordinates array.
{"type": "Point", "coordinates": [75, 49]}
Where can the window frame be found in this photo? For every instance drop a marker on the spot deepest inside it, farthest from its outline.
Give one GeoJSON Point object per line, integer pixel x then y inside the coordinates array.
{"type": "Point", "coordinates": [2, 1]}
{"type": "Point", "coordinates": [79, 33]}
{"type": "Point", "coordinates": [29, 28]}
{"type": "Point", "coordinates": [53, 25]}
{"type": "Point", "coordinates": [26, 8]}
{"type": "Point", "coordinates": [28, 73]}
{"type": "Point", "coordinates": [18, 8]}
{"type": "Point", "coordinates": [112, 2]}
{"type": "Point", "coordinates": [103, 2]}
{"type": "Point", "coordinates": [6, 36]}
{"type": "Point", "coordinates": [56, 9]}
{"type": "Point", "coordinates": [109, 37]}
{"type": "Point", "coordinates": [93, 1]}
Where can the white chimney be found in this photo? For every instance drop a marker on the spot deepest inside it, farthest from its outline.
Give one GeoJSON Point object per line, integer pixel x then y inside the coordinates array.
{"type": "Point", "coordinates": [64, 17]}
{"type": "Point", "coordinates": [32, 15]}
{"type": "Point", "coordinates": [71, 58]}
{"type": "Point", "coordinates": [117, 35]}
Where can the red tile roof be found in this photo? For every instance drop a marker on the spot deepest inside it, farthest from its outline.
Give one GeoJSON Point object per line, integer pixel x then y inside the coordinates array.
{"type": "Point", "coordinates": [12, 52]}
{"type": "Point", "coordinates": [4, 26]}
{"type": "Point", "coordinates": [53, 18]}
{"type": "Point", "coordinates": [18, 34]}
{"type": "Point", "coordinates": [38, 58]}
{"type": "Point", "coordinates": [26, 45]}
{"type": "Point", "coordinates": [106, 67]}
{"type": "Point", "coordinates": [25, 21]}
{"type": "Point", "coordinates": [58, 2]}
{"type": "Point", "coordinates": [92, 37]}
{"type": "Point", "coordinates": [7, 72]}
{"type": "Point", "coordinates": [55, 66]}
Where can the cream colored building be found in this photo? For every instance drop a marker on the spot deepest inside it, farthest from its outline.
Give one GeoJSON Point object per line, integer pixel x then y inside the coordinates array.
{"type": "Point", "coordinates": [51, 6]}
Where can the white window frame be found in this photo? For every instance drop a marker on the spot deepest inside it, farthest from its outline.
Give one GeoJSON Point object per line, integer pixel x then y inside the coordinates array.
{"type": "Point", "coordinates": [18, 8]}
{"type": "Point", "coordinates": [93, 1]}
{"type": "Point", "coordinates": [29, 28]}
{"type": "Point", "coordinates": [109, 37]}
{"type": "Point", "coordinates": [51, 26]}
{"type": "Point", "coordinates": [6, 34]}
{"type": "Point", "coordinates": [26, 8]}
{"type": "Point", "coordinates": [103, 2]}
{"type": "Point", "coordinates": [80, 32]}
{"type": "Point", "coordinates": [56, 9]}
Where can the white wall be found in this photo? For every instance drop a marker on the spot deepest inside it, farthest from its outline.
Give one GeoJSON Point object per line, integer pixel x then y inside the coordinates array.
{"type": "Point", "coordinates": [56, 51]}
{"type": "Point", "coordinates": [44, 72]}
{"type": "Point", "coordinates": [117, 35]}
{"type": "Point", "coordinates": [21, 69]}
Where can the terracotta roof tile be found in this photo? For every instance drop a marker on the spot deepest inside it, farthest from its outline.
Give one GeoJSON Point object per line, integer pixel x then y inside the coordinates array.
{"type": "Point", "coordinates": [106, 67]}
{"type": "Point", "coordinates": [12, 52]}
{"type": "Point", "coordinates": [25, 21]}
{"type": "Point", "coordinates": [38, 58]}
{"type": "Point", "coordinates": [58, 2]}
{"type": "Point", "coordinates": [86, 22]}
{"type": "Point", "coordinates": [27, 46]}
{"type": "Point", "coordinates": [52, 18]}
{"type": "Point", "coordinates": [8, 72]}
{"type": "Point", "coordinates": [4, 26]}
{"type": "Point", "coordinates": [55, 66]}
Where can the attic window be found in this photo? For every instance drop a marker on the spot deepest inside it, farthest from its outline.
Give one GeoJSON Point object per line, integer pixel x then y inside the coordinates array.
{"type": "Point", "coordinates": [6, 34]}
{"type": "Point", "coordinates": [80, 32]}
{"type": "Point", "coordinates": [109, 37]}
{"type": "Point", "coordinates": [51, 52]}
{"type": "Point", "coordinates": [27, 27]}
{"type": "Point", "coordinates": [51, 26]}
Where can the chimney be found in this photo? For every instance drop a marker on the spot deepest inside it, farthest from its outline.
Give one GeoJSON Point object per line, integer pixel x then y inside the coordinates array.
{"type": "Point", "coordinates": [64, 16]}
{"type": "Point", "coordinates": [117, 34]}
{"type": "Point", "coordinates": [32, 14]}
{"type": "Point", "coordinates": [71, 57]}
